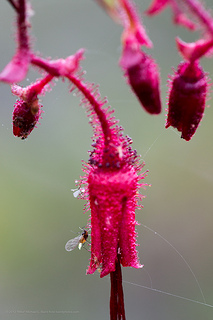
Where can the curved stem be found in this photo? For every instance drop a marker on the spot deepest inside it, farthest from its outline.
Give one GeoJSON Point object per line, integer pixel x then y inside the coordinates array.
{"type": "Point", "coordinates": [45, 65]}
{"type": "Point", "coordinates": [38, 86]}
{"type": "Point", "coordinates": [96, 105]}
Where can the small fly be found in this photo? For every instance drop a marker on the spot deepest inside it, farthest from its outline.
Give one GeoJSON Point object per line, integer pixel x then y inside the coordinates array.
{"type": "Point", "coordinates": [77, 241]}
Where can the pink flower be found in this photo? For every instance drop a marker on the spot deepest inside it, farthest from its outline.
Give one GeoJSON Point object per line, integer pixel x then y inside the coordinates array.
{"type": "Point", "coordinates": [187, 98]}
{"type": "Point", "coordinates": [112, 188]}
{"type": "Point", "coordinates": [143, 77]}
{"type": "Point", "coordinates": [17, 68]}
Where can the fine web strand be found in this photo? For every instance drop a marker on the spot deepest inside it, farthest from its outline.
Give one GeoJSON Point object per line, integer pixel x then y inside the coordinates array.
{"type": "Point", "coordinates": [182, 257]}
{"type": "Point", "coordinates": [154, 142]}
{"type": "Point", "coordinates": [147, 151]}
{"type": "Point", "coordinates": [169, 294]}
{"type": "Point", "coordinates": [175, 131]}
{"type": "Point", "coordinates": [149, 276]}
{"type": "Point", "coordinates": [151, 288]}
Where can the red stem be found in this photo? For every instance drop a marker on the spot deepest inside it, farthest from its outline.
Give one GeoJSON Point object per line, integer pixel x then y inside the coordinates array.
{"type": "Point", "coordinates": [38, 86]}
{"type": "Point", "coordinates": [117, 311]}
{"type": "Point", "coordinates": [96, 106]}
{"type": "Point", "coordinates": [134, 23]}
{"type": "Point", "coordinates": [22, 26]}
{"type": "Point", "coordinates": [45, 65]}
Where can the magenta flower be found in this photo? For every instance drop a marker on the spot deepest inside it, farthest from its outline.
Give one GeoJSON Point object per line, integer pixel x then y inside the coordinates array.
{"type": "Point", "coordinates": [111, 184]}
{"type": "Point", "coordinates": [112, 188]}
{"type": "Point", "coordinates": [188, 88]}
{"type": "Point", "coordinates": [187, 98]}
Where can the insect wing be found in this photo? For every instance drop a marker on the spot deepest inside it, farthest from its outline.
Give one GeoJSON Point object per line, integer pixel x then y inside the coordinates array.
{"type": "Point", "coordinates": [72, 243]}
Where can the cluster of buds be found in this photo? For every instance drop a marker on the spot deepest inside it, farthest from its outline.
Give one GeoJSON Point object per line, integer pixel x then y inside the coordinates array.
{"type": "Point", "coordinates": [189, 87]}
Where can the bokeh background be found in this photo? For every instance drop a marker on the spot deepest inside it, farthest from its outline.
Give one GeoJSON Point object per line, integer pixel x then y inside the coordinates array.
{"type": "Point", "coordinates": [38, 213]}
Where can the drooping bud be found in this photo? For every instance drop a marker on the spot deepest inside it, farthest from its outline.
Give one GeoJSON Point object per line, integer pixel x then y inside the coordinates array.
{"type": "Point", "coordinates": [187, 98]}
{"type": "Point", "coordinates": [27, 109]}
{"type": "Point", "coordinates": [143, 77]}
{"type": "Point", "coordinates": [25, 118]}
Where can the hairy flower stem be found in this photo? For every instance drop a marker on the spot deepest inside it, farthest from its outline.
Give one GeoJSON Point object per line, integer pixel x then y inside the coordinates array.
{"type": "Point", "coordinates": [22, 30]}
{"type": "Point", "coordinates": [30, 93]}
{"type": "Point", "coordinates": [96, 107]}
{"type": "Point", "coordinates": [45, 65]}
{"type": "Point", "coordinates": [117, 311]}
{"type": "Point", "coordinates": [39, 86]}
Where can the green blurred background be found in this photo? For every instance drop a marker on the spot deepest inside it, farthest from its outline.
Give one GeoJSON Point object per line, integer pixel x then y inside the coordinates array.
{"type": "Point", "coordinates": [38, 278]}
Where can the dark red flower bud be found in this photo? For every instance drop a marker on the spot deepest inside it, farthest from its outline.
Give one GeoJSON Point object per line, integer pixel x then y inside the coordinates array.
{"type": "Point", "coordinates": [187, 98]}
{"type": "Point", "coordinates": [143, 76]}
{"type": "Point", "coordinates": [25, 118]}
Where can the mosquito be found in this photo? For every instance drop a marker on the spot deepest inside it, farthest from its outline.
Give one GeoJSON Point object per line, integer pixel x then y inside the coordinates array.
{"type": "Point", "coordinates": [77, 241]}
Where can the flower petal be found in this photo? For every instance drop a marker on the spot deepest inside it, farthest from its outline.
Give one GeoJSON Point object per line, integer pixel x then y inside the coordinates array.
{"type": "Point", "coordinates": [17, 68]}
